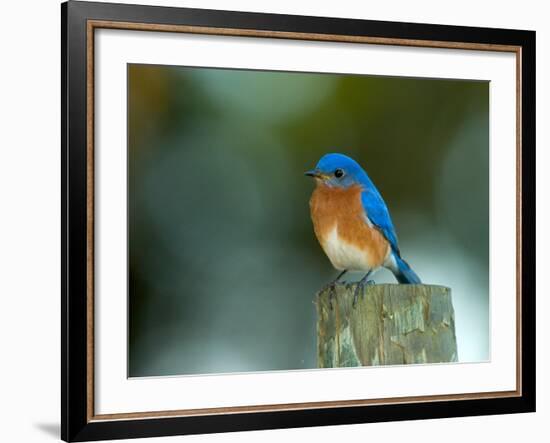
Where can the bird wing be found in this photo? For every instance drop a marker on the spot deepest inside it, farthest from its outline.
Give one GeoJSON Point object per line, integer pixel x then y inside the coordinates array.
{"type": "Point", "coordinates": [377, 212]}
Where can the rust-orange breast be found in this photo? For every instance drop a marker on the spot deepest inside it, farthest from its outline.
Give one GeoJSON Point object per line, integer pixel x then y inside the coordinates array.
{"type": "Point", "coordinates": [338, 217]}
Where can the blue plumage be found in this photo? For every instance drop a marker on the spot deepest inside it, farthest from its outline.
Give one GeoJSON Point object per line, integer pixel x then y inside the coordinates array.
{"type": "Point", "coordinates": [377, 212]}
{"type": "Point", "coordinates": [403, 272]}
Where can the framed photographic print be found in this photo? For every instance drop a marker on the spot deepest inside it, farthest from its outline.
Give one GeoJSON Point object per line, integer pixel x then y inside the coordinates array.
{"type": "Point", "coordinates": [276, 221]}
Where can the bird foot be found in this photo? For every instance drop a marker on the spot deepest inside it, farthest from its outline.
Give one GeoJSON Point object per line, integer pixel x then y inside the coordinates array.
{"type": "Point", "coordinates": [331, 287]}
{"type": "Point", "coordinates": [331, 295]}
{"type": "Point", "coordinates": [360, 289]}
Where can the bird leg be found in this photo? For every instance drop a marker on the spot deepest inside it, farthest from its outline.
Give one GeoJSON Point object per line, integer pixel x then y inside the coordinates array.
{"type": "Point", "coordinates": [332, 287]}
{"type": "Point", "coordinates": [360, 285]}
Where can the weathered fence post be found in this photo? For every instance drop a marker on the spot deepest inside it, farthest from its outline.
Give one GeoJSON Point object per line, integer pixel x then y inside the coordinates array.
{"type": "Point", "coordinates": [391, 324]}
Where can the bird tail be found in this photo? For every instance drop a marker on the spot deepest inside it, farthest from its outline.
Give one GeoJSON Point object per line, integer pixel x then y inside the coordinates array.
{"type": "Point", "coordinates": [403, 272]}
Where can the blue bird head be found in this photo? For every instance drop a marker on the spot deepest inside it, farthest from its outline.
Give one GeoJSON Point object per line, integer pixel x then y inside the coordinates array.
{"type": "Point", "coordinates": [338, 170]}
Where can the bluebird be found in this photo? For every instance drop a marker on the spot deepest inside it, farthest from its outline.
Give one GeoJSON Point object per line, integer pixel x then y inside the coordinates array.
{"type": "Point", "coordinates": [352, 222]}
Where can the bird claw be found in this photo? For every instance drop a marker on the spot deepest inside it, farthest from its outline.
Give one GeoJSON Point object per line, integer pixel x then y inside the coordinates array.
{"type": "Point", "coordinates": [332, 287]}
{"type": "Point", "coordinates": [360, 288]}
{"type": "Point", "coordinates": [332, 294]}
{"type": "Point", "coordinates": [330, 298]}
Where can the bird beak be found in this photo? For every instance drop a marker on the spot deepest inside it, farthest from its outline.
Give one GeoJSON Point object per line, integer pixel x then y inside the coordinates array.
{"type": "Point", "coordinates": [315, 173]}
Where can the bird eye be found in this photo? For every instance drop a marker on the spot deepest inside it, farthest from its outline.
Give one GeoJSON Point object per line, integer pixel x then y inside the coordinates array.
{"type": "Point", "coordinates": [338, 173]}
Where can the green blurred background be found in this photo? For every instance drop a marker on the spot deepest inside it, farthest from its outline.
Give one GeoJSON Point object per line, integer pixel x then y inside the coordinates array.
{"type": "Point", "coordinates": [224, 264]}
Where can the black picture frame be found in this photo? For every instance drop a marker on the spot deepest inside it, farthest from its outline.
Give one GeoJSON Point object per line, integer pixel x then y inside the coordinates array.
{"type": "Point", "coordinates": [76, 422]}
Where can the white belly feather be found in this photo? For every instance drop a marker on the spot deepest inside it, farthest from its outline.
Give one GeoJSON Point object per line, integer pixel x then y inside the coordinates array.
{"type": "Point", "coordinates": [344, 255]}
